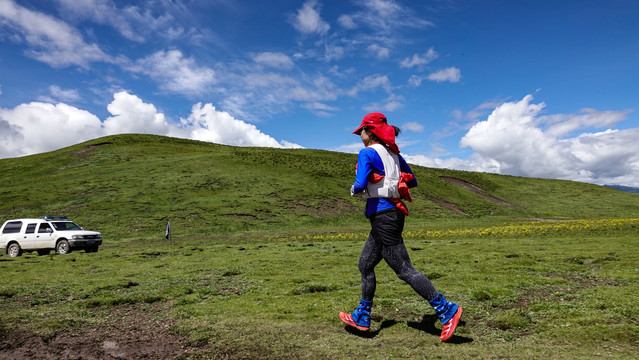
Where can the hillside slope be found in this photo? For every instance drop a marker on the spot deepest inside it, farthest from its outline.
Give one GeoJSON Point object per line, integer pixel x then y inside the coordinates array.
{"type": "Point", "coordinates": [131, 185]}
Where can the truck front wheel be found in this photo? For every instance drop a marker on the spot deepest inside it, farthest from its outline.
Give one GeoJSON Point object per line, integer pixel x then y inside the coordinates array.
{"type": "Point", "coordinates": [63, 247]}
{"type": "Point", "coordinates": [14, 250]}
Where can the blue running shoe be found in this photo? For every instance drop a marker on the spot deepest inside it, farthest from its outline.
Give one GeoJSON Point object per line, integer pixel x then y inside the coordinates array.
{"type": "Point", "coordinates": [448, 313]}
{"type": "Point", "coordinates": [360, 318]}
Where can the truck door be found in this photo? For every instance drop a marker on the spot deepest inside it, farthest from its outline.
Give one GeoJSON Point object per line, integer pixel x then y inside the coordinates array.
{"type": "Point", "coordinates": [29, 237]}
{"type": "Point", "coordinates": [45, 239]}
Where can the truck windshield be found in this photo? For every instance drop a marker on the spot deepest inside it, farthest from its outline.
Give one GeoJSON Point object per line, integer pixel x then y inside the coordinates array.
{"type": "Point", "coordinates": [65, 225]}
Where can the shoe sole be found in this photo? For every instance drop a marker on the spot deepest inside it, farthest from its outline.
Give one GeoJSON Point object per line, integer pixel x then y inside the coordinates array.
{"type": "Point", "coordinates": [348, 320]}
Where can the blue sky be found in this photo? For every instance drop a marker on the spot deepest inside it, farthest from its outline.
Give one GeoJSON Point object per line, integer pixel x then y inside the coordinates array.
{"type": "Point", "coordinates": [530, 88]}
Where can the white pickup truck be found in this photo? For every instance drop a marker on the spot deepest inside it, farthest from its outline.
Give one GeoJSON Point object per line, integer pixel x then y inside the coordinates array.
{"type": "Point", "coordinates": [46, 234]}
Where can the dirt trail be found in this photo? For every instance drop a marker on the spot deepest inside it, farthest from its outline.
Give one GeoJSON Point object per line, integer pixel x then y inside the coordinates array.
{"type": "Point", "coordinates": [127, 332]}
{"type": "Point", "coordinates": [477, 190]}
{"type": "Point", "coordinates": [450, 206]}
{"type": "Point", "coordinates": [90, 148]}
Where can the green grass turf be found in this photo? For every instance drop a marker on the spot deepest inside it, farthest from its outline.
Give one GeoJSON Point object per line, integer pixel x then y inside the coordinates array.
{"type": "Point", "coordinates": [265, 246]}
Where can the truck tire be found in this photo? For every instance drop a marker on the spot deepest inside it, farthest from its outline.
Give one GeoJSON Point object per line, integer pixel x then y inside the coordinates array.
{"type": "Point", "coordinates": [62, 247]}
{"type": "Point", "coordinates": [14, 250]}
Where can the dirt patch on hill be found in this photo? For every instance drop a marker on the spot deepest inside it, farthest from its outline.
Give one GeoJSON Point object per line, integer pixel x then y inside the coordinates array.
{"type": "Point", "coordinates": [90, 148]}
{"type": "Point", "coordinates": [477, 190]}
{"type": "Point", "coordinates": [127, 332]}
{"type": "Point", "coordinates": [450, 206]}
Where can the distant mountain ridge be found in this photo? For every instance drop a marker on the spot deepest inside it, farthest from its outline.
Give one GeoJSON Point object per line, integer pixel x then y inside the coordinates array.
{"type": "Point", "coordinates": [629, 189]}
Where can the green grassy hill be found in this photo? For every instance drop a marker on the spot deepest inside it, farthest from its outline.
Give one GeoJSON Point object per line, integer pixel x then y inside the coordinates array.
{"type": "Point", "coordinates": [128, 186]}
{"type": "Point", "coordinates": [250, 277]}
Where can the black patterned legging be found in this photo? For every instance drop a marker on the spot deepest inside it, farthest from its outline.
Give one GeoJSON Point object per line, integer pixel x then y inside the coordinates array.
{"type": "Point", "coordinates": [385, 242]}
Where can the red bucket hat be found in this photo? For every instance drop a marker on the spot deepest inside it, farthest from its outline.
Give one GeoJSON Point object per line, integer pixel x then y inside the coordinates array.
{"type": "Point", "coordinates": [378, 125]}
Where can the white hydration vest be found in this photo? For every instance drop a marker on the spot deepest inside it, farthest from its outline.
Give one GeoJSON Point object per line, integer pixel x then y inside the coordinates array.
{"type": "Point", "coordinates": [386, 188]}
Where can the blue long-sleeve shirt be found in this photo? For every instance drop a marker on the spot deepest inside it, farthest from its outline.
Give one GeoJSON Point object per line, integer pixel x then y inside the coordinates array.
{"type": "Point", "coordinates": [369, 161]}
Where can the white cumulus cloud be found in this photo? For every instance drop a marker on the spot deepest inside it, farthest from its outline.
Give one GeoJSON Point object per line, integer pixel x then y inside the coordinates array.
{"type": "Point", "coordinates": [131, 115]}
{"type": "Point", "coordinates": [419, 60]}
{"type": "Point", "coordinates": [308, 19]}
{"type": "Point", "coordinates": [346, 22]}
{"type": "Point", "coordinates": [415, 81]}
{"type": "Point", "coordinates": [413, 126]}
{"type": "Point", "coordinates": [563, 124]}
{"type": "Point", "coordinates": [451, 74]}
{"type": "Point", "coordinates": [472, 164]}
{"type": "Point", "coordinates": [39, 127]}
{"type": "Point", "coordinates": [516, 139]}
{"type": "Point", "coordinates": [391, 103]}
{"type": "Point", "coordinates": [513, 137]}
{"type": "Point", "coordinates": [371, 83]}
{"type": "Point", "coordinates": [380, 52]}
{"type": "Point", "coordinates": [56, 93]}
{"type": "Point", "coordinates": [274, 59]}
{"type": "Point", "coordinates": [205, 123]}
{"type": "Point", "coordinates": [48, 39]}
{"type": "Point", "coordinates": [176, 73]}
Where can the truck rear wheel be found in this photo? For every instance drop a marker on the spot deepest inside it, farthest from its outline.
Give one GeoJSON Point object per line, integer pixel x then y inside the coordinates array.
{"type": "Point", "coordinates": [14, 250]}
{"type": "Point", "coordinates": [63, 247]}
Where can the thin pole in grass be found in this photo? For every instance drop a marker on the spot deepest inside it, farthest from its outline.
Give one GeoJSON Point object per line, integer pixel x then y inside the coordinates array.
{"type": "Point", "coordinates": [167, 235]}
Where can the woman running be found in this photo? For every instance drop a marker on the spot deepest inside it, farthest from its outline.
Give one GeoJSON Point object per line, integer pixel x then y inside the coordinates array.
{"type": "Point", "coordinates": [384, 177]}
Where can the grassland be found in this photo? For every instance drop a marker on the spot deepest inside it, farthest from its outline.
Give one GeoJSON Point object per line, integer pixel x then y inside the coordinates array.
{"type": "Point", "coordinates": [129, 186]}
{"type": "Point", "coordinates": [264, 256]}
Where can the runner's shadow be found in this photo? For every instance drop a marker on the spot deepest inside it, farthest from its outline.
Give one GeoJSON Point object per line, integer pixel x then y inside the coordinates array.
{"type": "Point", "coordinates": [370, 334]}
{"type": "Point", "coordinates": [427, 325]}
